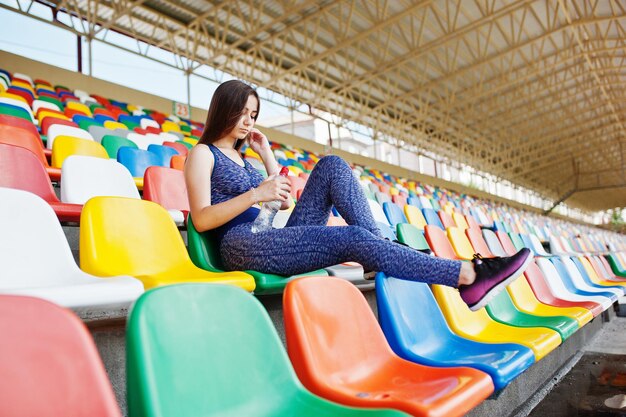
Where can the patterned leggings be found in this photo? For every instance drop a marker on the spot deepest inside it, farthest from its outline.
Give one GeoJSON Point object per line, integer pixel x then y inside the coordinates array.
{"type": "Point", "coordinates": [306, 243]}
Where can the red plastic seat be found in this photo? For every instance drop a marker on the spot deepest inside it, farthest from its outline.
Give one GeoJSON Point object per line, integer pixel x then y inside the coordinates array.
{"type": "Point", "coordinates": [340, 353]}
{"type": "Point", "coordinates": [24, 124]}
{"type": "Point", "coordinates": [297, 184]}
{"type": "Point", "coordinates": [49, 121]}
{"type": "Point", "coordinates": [16, 136]}
{"type": "Point", "coordinates": [21, 169]}
{"type": "Point", "coordinates": [182, 149]}
{"type": "Point", "coordinates": [166, 187]}
{"type": "Point", "coordinates": [50, 364]}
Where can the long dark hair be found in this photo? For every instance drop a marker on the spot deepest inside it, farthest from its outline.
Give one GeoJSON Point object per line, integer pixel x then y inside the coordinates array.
{"type": "Point", "coordinates": [227, 106]}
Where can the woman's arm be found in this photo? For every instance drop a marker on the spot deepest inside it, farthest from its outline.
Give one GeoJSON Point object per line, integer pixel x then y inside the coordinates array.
{"type": "Point", "coordinates": [260, 144]}
{"type": "Point", "coordinates": [198, 169]}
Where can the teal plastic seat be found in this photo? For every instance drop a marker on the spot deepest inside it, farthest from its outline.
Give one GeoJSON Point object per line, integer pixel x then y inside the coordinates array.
{"type": "Point", "coordinates": [206, 255]}
{"type": "Point", "coordinates": [413, 236]}
{"type": "Point", "coordinates": [402, 306]}
{"type": "Point", "coordinates": [211, 350]}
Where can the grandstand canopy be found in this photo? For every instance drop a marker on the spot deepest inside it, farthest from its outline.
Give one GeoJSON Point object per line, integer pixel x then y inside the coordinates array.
{"type": "Point", "coordinates": [532, 91]}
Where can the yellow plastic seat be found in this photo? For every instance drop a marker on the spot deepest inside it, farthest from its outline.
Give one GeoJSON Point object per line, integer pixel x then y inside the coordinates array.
{"type": "Point", "coordinates": [45, 113]}
{"type": "Point", "coordinates": [74, 105]}
{"type": "Point", "coordinates": [14, 97]}
{"type": "Point", "coordinates": [414, 216]}
{"type": "Point", "coordinates": [169, 126]}
{"type": "Point", "coordinates": [190, 141]}
{"type": "Point", "coordinates": [110, 124]}
{"type": "Point", "coordinates": [477, 325]}
{"type": "Point", "coordinates": [65, 146]}
{"type": "Point", "coordinates": [295, 170]}
{"type": "Point", "coordinates": [459, 220]}
{"type": "Point", "coordinates": [140, 237]}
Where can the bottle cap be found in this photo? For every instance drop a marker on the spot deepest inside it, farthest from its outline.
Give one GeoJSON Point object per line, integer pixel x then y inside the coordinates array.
{"type": "Point", "coordinates": [284, 171]}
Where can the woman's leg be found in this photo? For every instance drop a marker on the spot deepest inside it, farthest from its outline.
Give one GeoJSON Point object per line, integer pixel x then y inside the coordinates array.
{"type": "Point", "coordinates": [332, 183]}
{"type": "Point", "coordinates": [298, 249]}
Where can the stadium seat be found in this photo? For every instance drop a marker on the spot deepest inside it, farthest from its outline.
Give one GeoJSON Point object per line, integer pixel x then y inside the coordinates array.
{"type": "Point", "coordinates": [178, 162]}
{"type": "Point", "coordinates": [501, 308]}
{"type": "Point", "coordinates": [113, 143]}
{"type": "Point", "coordinates": [166, 187]}
{"type": "Point", "coordinates": [21, 105]}
{"type": "Point", "coordinates": [478, 325]}
{"type": "Point", "coordinates": [432, 218]}
{"type": "Point", "coordinates": [37, 260]}
{"type": "Point", "coordinates": [206, 255]}
{"type": "Point", "coordinates": [15, 111]}
{"type": "Point", "coordinates": [417, 331]}
{"type": "Point", "coordinates": [377, 212]}
{"type": "Point", "coordinates": [414, 216]}
{"type": "Point", "coordinates": [61, 130]}
{"type": "Point", "coordinates": [65, 146]}
{"type": "Point", "coordinates": [394, 214]}
{"type": "Point", "coordinates": [22, 170]}
{"type": "Point", "coordinates": [182, 149]}
{"type": "Point", "coordinates": [413, 237]}
{"type": "Point", "coordinates": [125, 236]}
{"type": "Point", "coordinates": [137, 161]}
{"type": "Point", "coordinates": [574, 275]}
{"type": "Point", "coordinates": [84, 177]}
{"type": "Point", "coordinates": [50, 363]}
{"type": "Point", "coordinates": [220, 346]}
{"type": "Point", "coordinates": [164, 153]}
{"type": "Point", "coordinates": [340, 353]}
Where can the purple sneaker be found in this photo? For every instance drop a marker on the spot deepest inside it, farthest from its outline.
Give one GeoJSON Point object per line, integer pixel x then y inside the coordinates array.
{"type": "Point", "coordinates": [492, 276]}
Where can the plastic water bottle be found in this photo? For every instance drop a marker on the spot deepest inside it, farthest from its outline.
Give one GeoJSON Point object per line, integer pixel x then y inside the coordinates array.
{"type": "Point", "coordinates": [268, 211]}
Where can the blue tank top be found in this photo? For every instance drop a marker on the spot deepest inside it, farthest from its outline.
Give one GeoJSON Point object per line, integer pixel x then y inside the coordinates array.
{"type": "Point", "coordinates": [228, 180]}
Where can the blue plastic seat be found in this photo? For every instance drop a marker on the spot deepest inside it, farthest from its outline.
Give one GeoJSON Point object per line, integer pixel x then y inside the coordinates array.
{"type": "Point", "coordinates": [402, 307]}
{"type": "Point", "coordinates": [414, 201]}
{"type": "Point", "coordinates": [136, 160]}
{"type": "Point", "coordinates": [615, 289]}
{"type": "Point", "coordinates": [394, 213]}
{"type": "Point", "coordinates": [432, 218]}
{"type": "Point", "coordinates": [386, 231]}
{"type": "Point", "coordinates": [164, 153]}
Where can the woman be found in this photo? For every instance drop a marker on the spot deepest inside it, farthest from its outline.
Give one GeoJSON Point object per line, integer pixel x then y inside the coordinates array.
{"type": "Point", "coordinates": [224, 193]}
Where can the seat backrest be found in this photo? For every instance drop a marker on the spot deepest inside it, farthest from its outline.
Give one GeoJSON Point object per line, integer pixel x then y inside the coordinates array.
{"type": "Point", "coordinates": [61, 130]}
{"type": "Point", "coordinates": [11, 135]}
{"type": "Point", "coordinates": [33, 249]}
{"type": "Point", "coordinates": [459, 220]}
{"type": "Point", "coordinates": [54, 362]}
{"type": "Point", "coordinates": [219, 345]}
{"type": "Point", "coordinates": [446, 219]}
{"type": "Point", "coordinates": [19, 122]}
{"type": "Point", "coordinates": [393, 213]}
{"type": "Point", "coordinates": [439, 243]}
{"type": "Point", "coordinates": [425, 202]}
{"type": "Point", "coordinates": [401, 305]}
{"type": "Point", "coordinates": [99, 132]}
{"type": "Point", "coordinates": [14, 111]}
{"type": "Point", "coordinates": [516, 240]}
{"type": "Point", "coordinates": [47, 122]}
{"type": "Point", "coordinates": [494, 243]}
{"type": "Point", "coordinates": [331, 330]}
{"type": "Point", "coordinates": [137, 160]}
{"type": "Point", "coordinates": [126, 236]}
{"type": "Point", "coordinates": [203, 249]}
{"type": "Point", "coordinates": [178, 162]}
{"type": "Point", "coordinates": [164, 153]}
{"type": "Point", "coordinates": [65, 146]}
{"type": "Point", "coordinates": [84, 177]}
{"type": "Point", "coordinates": [182, 149]}
{"type": "Point", "coordinates": [457, 313]}
{"type": "Point", "coordinates": [19, 104]}
{"type": "Point", "coordinates": [412, 236]}
{"type": "Point", "coordinates": [22, 170]}
{"type": "Point", "coordinates": [506, 243]}
{"type": "Point", "coordinates": [432, 218]}
{"type": "Point", "coordinates": [166, 186]}
{"type": "Point", "coordinates": [460, 243]}
{"type": "Point", "coordinates": [377, 212]}
{"type": "Point", "coordinates": [478, 242]}
{"type": "Point", "coordinates": [113, 143]}
{"type": "Point", "coordinates": [414, 216]}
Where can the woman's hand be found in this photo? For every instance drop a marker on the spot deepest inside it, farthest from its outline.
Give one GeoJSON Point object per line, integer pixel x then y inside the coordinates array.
{"type": "Point", "coordinates": [259, 142]}
{"type": "Point", "coordinates": [274, 188]}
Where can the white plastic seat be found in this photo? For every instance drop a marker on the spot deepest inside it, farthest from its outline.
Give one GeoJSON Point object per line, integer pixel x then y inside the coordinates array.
{"type": "Point", "coordinates": [577, 279]}
{"type": "Point", "coordinates": [144, 123]}
{"type": "Point", "coordinates": [81, 93]}
{"type": "Point", "coordinates": [37, 260]}
{"type": "Point", "coordinates": [142, 141]}
{"type": "Point", "coordinates": [377, 212]}
{"type": "Point", "coordinates": [425, 202]}
{"type": "Point", "coordinates": [557, 287]}
{"type": "Point", "coordinates": [84, 177]}
{"type": "Point", "coordinates": [23, 77]}
{"type": "Point", "coordinates": [61, 130]}
{"type": "Point", "coordinates": [40, 104]}
{"type": "Point", "coordinates": [537, 246]}
{"type": "Point", "coordinates": [169, 136]}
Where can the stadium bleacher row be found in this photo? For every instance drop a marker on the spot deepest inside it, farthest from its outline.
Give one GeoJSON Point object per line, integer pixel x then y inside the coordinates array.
{"type": "Point", "coordinates": [195, 346]}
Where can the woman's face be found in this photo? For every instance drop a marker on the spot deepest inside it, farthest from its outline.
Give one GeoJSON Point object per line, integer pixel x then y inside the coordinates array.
{"type": "Point", "coordinates": [247, 119]}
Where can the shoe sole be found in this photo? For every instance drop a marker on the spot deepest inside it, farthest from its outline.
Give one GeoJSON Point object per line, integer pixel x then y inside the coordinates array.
{"type": "Point", "coordinates": [502, 285]}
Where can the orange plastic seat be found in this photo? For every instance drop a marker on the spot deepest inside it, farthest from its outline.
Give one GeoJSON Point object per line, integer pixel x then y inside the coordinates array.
{"type": "Point", "coordinates": [178, 162]}
{"type": "Point", "coordinates": [49, 363]}
{"type": "Point", "coordinates": [340, 353]}
{"type": "Point", "coordinates": [11, 135]}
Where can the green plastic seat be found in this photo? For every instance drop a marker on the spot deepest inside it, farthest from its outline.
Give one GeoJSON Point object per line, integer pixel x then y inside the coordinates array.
{"type": "Point", "coordinates": [59, 103]}
{"type": "Point", "coordinates": [412, 236]}
{"type": "Point", "coordinates": [211, 350]}
{"type": "Point", "coordinates": [85, 124]}
{"type": "Point", "coordinates": [113, 143]}
{"type": "Point", "coordinates": [15, 112]}
{"type": "Point", "coordinates": [205, 254]}
{"type": "Point", "coordinates": [182, 142]}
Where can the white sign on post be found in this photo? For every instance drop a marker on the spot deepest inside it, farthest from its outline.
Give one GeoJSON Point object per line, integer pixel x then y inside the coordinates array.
{"type": "Point", "coordinates": [181, 110]}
